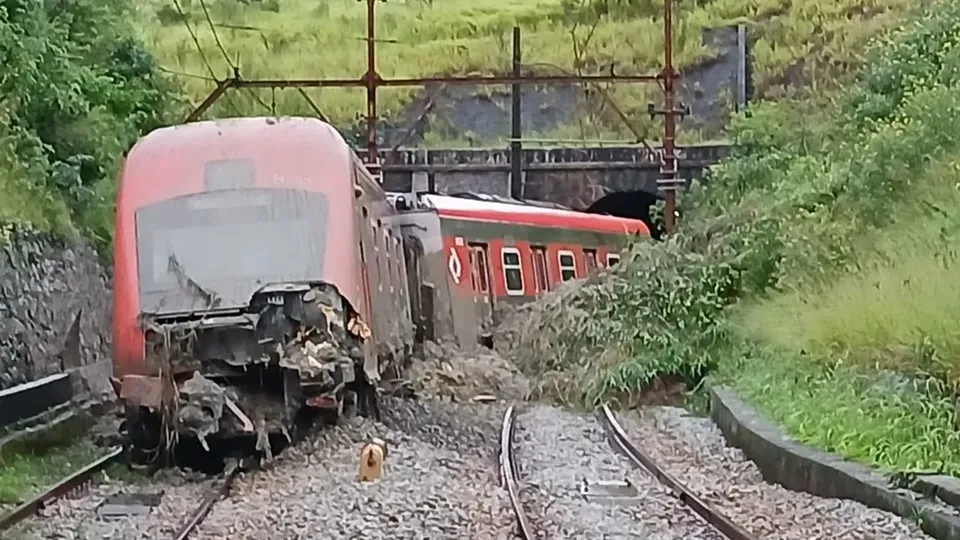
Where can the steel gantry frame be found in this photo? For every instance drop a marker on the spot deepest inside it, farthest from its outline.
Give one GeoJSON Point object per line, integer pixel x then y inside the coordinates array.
{"type": "Point", "coordinates": [371, 80]}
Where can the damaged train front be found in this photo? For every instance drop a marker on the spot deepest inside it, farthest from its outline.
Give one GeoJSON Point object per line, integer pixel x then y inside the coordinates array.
{"type": "Point", "coordinates": [246, 313]}
{"type": "Point", "coordinates": [297, 349]}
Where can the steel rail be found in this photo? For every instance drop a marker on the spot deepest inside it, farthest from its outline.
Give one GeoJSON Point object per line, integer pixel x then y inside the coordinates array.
{"type": "Point", "coordinates": [508, 473]}
{"type": "Point", "coordinates": [211, 499]}
{"type": "Point", "coordinates": [711, 515]}
{"type": "Point", "coordinates": [58, 490]}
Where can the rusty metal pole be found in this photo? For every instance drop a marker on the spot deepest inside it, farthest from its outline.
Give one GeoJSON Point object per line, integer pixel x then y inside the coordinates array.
{"type": "Point", "coordinates": [516, 132]}
{"type": "Point", "coordinates": [371, 79]}
{"type": "Point", "coordinates": [668, 168]}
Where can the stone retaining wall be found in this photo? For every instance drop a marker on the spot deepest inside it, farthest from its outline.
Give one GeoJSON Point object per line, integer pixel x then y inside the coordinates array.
{"type": "Point", "coordinates": [55, 311]}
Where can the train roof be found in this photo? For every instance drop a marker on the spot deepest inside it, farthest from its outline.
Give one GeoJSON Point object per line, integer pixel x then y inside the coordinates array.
{"type": "Point", "coordinates": [224, 137]}
{"type": "Point", "coordinates": [524, 213]}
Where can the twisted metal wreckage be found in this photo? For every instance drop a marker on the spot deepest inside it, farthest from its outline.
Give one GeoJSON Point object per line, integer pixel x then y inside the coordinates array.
{"type": "Point", "coordinates": [301, 341]}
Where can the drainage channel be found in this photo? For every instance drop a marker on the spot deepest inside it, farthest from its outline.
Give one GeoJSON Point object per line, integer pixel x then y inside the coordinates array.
{"type": "Point", "coordinates": [711, 515]}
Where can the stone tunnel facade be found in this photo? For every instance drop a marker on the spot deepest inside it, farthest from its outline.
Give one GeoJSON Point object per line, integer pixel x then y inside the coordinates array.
{"type": "Point", "coordinates": [574, 177]}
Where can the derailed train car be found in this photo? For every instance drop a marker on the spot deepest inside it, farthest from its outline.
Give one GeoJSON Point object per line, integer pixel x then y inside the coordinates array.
{"type": "Point", "coordinates": [243, 255]}
{"type": "Point", "coordinates": [261, 272]}
{"type": "Point", "coordinates": [489, 253]}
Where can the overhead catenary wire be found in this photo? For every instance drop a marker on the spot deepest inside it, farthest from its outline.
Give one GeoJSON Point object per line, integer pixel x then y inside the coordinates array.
{"type": "Point", "coordinates": [203, 56]}
{"type": "Point", "coordinates": [185, 74]}
{"type": "Point", "coordinates": [216, 38]}
{"type": "Point", "coordinates": [196, 41]}
{"type": "Point", "coordinates": [235, 68]}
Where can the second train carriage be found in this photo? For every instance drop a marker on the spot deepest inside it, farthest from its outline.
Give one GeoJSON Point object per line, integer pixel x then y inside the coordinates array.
{"type": "Point", "coordinates": [490, 253]}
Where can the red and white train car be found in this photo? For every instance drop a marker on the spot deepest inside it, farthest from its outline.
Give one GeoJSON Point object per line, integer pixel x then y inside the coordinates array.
{"type": "Point", "coordinates": [490, 252]}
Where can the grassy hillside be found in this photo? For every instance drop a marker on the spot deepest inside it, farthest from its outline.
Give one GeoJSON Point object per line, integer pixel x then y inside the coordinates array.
{"type": "Point", "coordinates": [814, 272]}
{"type": "Point", "coordinates": [807, 41]}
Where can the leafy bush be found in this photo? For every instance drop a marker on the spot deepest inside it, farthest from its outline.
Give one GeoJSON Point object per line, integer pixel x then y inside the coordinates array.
{"type": "Point", "coordinates": [78, 89]}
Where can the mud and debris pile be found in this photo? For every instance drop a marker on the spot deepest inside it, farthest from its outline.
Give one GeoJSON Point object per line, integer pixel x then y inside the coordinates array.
{"type": "Point", "coordinates": [201, 403]}
{"type": "Point", "coordinates": [446, 372]}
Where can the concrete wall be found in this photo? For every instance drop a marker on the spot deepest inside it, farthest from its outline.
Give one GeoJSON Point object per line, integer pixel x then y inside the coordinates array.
{"type": "Point", "coordinates": [45, 283]}
{"type": "Point", "coordinates": [575, 177]}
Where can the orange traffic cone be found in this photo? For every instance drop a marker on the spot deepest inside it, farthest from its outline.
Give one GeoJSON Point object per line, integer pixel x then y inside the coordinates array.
{"type": "Point", "coordinates": [371, 460]}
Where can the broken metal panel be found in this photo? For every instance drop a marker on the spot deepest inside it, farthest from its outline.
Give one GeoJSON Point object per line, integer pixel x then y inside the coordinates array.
{"type": "Point", "coordinates": [216, 249]}
{"type": "Point", "coordinates": [124, 505]}
{"type": "Point", "coordinates": [142, 391]}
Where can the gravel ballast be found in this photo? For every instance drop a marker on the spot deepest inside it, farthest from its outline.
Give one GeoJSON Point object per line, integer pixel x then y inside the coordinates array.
{"type": "Point", "coordinates": [557, 450]}
{"type": "Point", "coordinates": [440, 482]}
{"type": "Point", "coordinates": [694, 451]}
{"type": "Point", "coordinates": [75, 517]}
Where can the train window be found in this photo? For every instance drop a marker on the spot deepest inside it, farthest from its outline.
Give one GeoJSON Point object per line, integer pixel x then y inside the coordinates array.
{"type": "Point", "coordinates": [568, 265]}
{"type": "Point", "coordinates": [539, 254]}
{"type": "Point", "coordinates": [590, 259]}
{"type": "Point", "coordinates": [612, 259]}
{"type": "Point", "coordinates": [512, 271]}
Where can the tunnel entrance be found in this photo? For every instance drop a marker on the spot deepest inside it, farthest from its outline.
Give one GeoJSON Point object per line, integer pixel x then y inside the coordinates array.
{"type": "Point", "coordinates": [632, 205]}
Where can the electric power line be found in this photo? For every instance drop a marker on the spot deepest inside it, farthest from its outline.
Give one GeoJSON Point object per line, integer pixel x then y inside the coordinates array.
{"type": "Point", "coordinates": [203, 56]}
{"type": "Point", "coordinates": [216, 38]}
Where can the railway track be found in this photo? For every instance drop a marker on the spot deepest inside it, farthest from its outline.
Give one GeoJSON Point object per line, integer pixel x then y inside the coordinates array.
{"type": "Point", "coordinates": [509, 473]}
{"type": "Point", "coordinates": [209, 500]}
{"type": "Point", "coordinates": [711, 515]}
{"type": "Point", "coordinates": [64, 487]}
{"type": "Point", "coordinates": [76, 482]}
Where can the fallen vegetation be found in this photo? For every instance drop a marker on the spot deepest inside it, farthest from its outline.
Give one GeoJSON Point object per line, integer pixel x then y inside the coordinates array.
{"type": "Point", "coordinates": [445, 372]}
{"type": "Point", "coordinates": [798, 43]}
{"type": "Point", "coordinates": [813, 270]}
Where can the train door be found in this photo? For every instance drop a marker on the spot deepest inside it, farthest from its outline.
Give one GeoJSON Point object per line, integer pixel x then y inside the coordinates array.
{"type": "Point", "coordinates": [413, 254]}
{"type": "Point", "coordinates": [590, 260]}
{"type": "Point", "coordinates": [362, 220]}
{"type": "Point", "coordinates": [482, 286]}
{"type": "Point", "coordinates": [541, 279]}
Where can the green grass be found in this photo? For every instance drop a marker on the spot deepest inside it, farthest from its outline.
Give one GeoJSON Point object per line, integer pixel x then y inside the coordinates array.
{"type": "Point", "coordinates": [303, 38]}
{"type": "Point", "coordinates": [877, 419]}
{"type": "Point", "coordinates": [24, 475]}
{"type": "Point", "coordinates": [899, 308]}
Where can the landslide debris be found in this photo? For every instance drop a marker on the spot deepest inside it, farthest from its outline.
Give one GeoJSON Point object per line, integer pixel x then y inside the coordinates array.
{"type": "Point", "coordinates": [622, 331]}
{"type": "Point", "coordinates": [446, 372]}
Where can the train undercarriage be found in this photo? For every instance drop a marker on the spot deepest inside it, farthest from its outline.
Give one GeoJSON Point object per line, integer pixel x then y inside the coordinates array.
{"type": "Point", "coordinates": [249, 381]}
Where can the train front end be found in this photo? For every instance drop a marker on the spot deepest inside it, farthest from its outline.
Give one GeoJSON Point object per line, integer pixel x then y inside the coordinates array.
{"type": "Point", "coordinates": [236, 282]}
